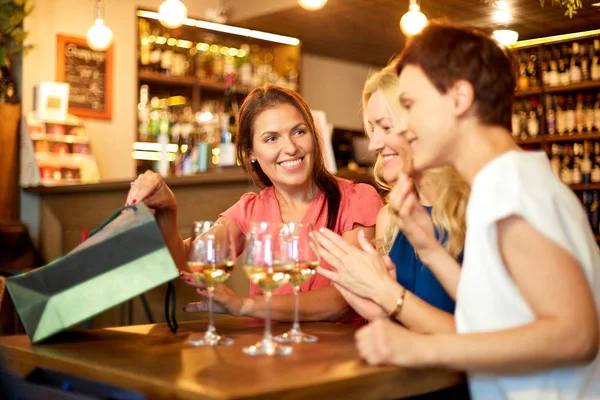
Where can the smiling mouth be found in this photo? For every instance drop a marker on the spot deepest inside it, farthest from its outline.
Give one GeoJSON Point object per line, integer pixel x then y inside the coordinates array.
{"type": "Point", "coordinates": [388, 157]}
{"type": "Point", "coordinates": [291, 163]}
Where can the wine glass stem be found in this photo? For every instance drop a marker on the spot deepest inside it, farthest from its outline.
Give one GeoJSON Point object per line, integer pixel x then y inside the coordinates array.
{"type": "Point", "coordinates": [211, 317]}
{"type": "Point", "coordinates": [296, 325]}
{"type": "Point", "coordinates": [268, 334]}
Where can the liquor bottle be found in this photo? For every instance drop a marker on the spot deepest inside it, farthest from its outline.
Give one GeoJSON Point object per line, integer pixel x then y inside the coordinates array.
{"type": "Point", "coordinates": [595, 64]}
{"type": "Point", "coordinates": [587, 200]}
{"type": "Point", "coordinates": [166, 59]}
{"type": "Point", "coordinates": [516, 120]}
{"type": "Point", "coordinates": [575, 64]}
{"type": "Point", "coordinates": [595, 213]}
{"type": "Point", "coordinates": [595, 175]}
{"type": "Point", "coordinates": [585, 62]}
{"type": "Point", "coordinates": [155, 53]}
{"type": "Point", "coordinates": [245, 69]}
{"type": "Point", "coordinates": [597, 112]}
{"type": "Point", "coordinates": [589, 113]}
{"type": "Point", "coordinates": [523, 113]}
{"type": "Point", "coordinates": [227, 156]}
{"type": "Point", "coordinates": [162, 165]}
{"type": "Point", "coordinates": [570, 115]}
{"type": "Point", "coordinates": [586, 163]}
{"type": "Point", "coordinates": [144, 114]}
{"type": "Point", "coordinates": [566, 169]}
{"type": "Point", "coordinates": [154, 124]}
{"type": "Point", "coordinates": [561, 117]}
{"type": "Point", "coordinates": [550, 115]}
{"type": "Point", "coordinates": [576, 175]}
{"type": "Point", "coordinates": [563, 67]}
{"type": "Point", "coordinates": [545, 68]}
{"type": "Point", "coordinates": [531, 72]}
{"type": "Point", "coordinates": [554, 76]}
{"type": "Point", "coordinates": [579, 114]}
{"type": "Point", "coordinates": [533, 122]}
{"type": "Point", "coordinates": [555, 160]}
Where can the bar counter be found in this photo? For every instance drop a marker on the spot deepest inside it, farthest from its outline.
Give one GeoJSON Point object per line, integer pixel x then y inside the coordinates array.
{"type": "Point", "coordinates": [150, 359]}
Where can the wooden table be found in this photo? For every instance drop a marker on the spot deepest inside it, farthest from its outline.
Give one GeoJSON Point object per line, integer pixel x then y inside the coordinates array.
{"type": "Point", "coordinates": [150, 359]}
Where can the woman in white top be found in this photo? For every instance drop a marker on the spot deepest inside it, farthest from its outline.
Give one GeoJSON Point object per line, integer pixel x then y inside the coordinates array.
{"type": "Point", "coordinates": [528, 295]}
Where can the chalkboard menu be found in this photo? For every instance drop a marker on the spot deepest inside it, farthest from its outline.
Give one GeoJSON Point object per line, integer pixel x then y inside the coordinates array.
{"type": "Point", "coordinates": [89, 75]}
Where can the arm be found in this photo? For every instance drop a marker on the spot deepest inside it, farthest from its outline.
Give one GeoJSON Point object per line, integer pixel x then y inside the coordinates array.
{"type": "Point", "coordinates": [417, 226]}
{"type": "Point", "coordinates": [564, 332]}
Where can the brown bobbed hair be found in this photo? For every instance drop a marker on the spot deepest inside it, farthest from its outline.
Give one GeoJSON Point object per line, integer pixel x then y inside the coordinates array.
{"type": "Point", "coordinates": [447, 53]}
{"type": "Point", "coordinates": [268, 96]}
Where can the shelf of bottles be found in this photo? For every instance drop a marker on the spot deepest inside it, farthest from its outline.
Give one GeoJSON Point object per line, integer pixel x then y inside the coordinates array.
{"type": "Point", "coordinates": [557, 108]}
{"type": "Point", "coordinates": [191, 83]}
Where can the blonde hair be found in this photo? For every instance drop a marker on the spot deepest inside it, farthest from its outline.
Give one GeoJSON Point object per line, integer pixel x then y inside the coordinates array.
{"type": "Point", "coordinates": [451, 190]}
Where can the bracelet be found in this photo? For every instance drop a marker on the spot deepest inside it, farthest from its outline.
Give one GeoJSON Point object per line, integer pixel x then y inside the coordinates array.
{"type": "Point", "coordinates": [399, 303]}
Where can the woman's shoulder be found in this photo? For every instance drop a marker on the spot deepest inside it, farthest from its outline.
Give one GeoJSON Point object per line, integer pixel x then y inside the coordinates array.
{"type": "Point", "coordinates": [349, 189]}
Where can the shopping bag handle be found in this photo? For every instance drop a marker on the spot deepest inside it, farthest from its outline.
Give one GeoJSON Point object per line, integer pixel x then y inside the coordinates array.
{"type": "Point", "coordinates": [112, 218]}
{"type": "Point", "coordinates": [171, 320]}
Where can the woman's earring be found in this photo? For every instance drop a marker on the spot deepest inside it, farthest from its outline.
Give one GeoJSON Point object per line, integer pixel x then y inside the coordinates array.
{"type": "Point", "coordinates": [253, 160]}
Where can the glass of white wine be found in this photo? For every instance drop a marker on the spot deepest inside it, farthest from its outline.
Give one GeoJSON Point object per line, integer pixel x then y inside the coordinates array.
{"type": "Point", "coordinates": [304, 262]}
{"type": "Point", "coordinates": [210, 259]}
{"type": "Point", "coordinates": [266, 264]}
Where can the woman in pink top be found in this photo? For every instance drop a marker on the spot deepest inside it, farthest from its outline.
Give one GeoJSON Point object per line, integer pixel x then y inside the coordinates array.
{"type": "Point", "coordinates": [281, 150]}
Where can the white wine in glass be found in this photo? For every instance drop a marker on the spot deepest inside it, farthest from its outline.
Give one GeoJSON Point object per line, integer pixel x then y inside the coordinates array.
{"type": "Point", "coordinates": [210, 259]}
{"type": "Point", "coordinates": [304, 261]}
{"type": "Point", "coordinates": [267, 265]}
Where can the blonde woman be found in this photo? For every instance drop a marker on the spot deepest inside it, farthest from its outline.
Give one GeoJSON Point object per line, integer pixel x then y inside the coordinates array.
{"type": "Point", "coordinates": [365, 278]}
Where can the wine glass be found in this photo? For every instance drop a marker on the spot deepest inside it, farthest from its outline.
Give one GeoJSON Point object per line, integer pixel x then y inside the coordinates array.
{"type": "Point", "coordinates": [210, 259]}
{"type": "Point", "coordinates": [304, 261]}
{"type": "Point", "coordinates": [266, 264]}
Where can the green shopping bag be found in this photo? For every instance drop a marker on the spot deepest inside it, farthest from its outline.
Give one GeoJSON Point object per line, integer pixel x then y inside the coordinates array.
{"type": "Point", "coordinates": [125, 257]}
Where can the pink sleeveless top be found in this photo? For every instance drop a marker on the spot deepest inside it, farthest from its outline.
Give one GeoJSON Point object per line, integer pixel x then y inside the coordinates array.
{"type": "Point", "coordinates": [359, 204]}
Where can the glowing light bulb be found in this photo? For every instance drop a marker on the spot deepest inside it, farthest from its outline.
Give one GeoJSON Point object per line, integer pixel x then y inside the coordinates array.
{"type": "Point", "coordinates": [99, 36]}
{"type": "Point", "coordinates": [312, 5]}
{"type": "Point", "coordinates": [172, 13]}
{"type": "Point", "coordinates": [506, 37]}
{"type": "Point", "coordinates": [413, 21]}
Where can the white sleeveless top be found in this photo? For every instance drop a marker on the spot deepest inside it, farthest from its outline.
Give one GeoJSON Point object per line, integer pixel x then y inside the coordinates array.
{"type": "Point", "coordinates": [521, 183]}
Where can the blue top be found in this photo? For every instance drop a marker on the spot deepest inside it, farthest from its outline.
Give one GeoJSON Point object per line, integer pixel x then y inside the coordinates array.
{"type": "Point", "coordinates": [412, 274]}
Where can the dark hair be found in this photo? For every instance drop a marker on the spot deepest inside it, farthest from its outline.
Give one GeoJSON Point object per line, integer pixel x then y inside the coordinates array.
{"type": "Point", "coordinates": [447, 53]}
{"type": "Point", "coordinates": [263, 98]}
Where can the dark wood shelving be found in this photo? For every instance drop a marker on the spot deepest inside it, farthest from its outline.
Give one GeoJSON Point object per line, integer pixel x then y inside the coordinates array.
{"type": "Point", "coordinates": [529, 140]}
{"type": "Point", "coordinates": [595, 84]}
{"type": "Point", "coordinates": [572, 138]}
{"type": "Point", "coordinates": [190, 81]}
{"type": "Point", "coordinates": [582, 187]}
{"type": "Point", "coordinates": [528, 92]}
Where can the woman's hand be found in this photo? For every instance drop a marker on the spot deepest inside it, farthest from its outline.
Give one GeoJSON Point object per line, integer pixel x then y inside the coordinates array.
{"type": "Point", "coordinates": [385, 342]}
{"type": "Point", "coordinates": [226, 300]}
{"type": "Point", "coordinates": [412, 218]}
{"type": "Point", "coordinates": [151, 189]}
{"type": "Point", "coordinates": [362, 272]}
{"type": "Point", "coordinates": [366, 308]}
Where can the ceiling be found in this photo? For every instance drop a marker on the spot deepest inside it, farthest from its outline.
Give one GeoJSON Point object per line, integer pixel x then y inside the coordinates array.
{"type": "Point", "coordinates": [367, 31]}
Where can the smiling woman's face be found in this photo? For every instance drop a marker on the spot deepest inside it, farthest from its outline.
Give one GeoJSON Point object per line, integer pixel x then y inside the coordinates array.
{"type": "Point", "coordinates": [386, 141]}
{"type": "Point", "coordinates": [283, 146]}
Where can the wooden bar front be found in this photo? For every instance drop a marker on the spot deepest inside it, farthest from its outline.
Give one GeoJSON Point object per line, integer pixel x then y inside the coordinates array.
{"type": "Point", "coordinates": [150, 359]}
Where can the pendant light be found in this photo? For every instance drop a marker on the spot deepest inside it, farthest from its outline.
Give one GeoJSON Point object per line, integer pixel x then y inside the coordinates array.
{"type": "Point", "coordinates": [172, 13]}
{"type": "Point", "coordinates": [99, 36]}
{"type": "Point", "coordinates": [506, 37]}
{"type": "Point", "coordinates": [414, 20]}
{"type": "Point", "coordinates": [312, 5]}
